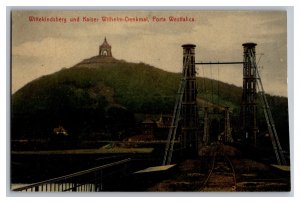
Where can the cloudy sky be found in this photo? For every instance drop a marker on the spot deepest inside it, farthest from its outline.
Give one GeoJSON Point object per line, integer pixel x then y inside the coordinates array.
{"type": "Point", "coordinates": [41, 48]}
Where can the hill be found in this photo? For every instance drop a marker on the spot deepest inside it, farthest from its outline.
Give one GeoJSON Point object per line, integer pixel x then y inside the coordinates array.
{"type": "Point", "coordinates": [95, 100]}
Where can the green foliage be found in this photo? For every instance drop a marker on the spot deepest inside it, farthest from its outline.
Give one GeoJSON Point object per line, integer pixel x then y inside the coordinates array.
{"type": "Point", "coordinates": [81, 100]}
{"type": "Point", "coordinates": [219, 93]}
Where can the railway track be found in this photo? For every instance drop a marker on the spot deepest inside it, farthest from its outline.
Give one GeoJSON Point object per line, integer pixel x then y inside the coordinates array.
{"type": "Point", "coordinates": [221, 175]}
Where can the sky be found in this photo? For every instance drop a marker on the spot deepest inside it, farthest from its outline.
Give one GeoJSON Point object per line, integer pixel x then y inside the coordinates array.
{"type": "Point", "coordinates": [41, 48]}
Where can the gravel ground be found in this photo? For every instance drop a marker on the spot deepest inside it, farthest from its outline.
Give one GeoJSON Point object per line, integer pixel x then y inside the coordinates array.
{"type": "Point", "coordinates": [250, 175]}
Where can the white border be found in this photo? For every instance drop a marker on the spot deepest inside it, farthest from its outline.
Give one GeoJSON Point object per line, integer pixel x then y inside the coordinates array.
{"type": "Point", "coordinates": [293, 43]}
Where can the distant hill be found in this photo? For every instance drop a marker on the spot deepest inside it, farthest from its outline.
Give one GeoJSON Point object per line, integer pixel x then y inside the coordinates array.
{"type": "Point", "coordinates": [100, 100]}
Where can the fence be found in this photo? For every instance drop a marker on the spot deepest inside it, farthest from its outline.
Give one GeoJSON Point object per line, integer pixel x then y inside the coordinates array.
{"type": "Point", "coordinates": [90, 180]}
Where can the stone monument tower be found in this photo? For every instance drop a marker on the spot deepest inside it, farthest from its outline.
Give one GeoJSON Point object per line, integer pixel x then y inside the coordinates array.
{"type": "Point", "coordinates": [105, 49]}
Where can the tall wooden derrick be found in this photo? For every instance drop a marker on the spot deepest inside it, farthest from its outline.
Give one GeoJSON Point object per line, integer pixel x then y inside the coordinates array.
{"type": "Point", "coordinates": [189, 103]}
{"type": "Point", "coordinates": [185, 109]}
{"type": "Point", "coordinates": [249, 104]}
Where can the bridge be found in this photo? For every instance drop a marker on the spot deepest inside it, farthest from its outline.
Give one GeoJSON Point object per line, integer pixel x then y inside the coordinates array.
{"type": "Point", "coordinates": [215, 157]}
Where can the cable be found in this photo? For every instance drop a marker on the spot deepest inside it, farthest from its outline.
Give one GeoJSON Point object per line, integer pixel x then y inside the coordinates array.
{"type": "Point", "coordinates": [204, 88]}
{"type": "Point", "coordinates": [212, 86]}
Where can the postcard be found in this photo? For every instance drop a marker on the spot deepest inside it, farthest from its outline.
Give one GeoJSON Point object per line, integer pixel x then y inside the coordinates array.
{"type": "Point", "coordinates": [149, 101]}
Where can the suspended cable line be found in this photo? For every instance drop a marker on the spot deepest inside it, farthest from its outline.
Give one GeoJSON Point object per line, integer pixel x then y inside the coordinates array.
{"type": "Point", "coordinates": [212, 85]}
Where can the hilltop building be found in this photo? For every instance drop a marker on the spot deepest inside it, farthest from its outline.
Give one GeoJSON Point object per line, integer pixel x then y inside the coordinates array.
{"type": "Point", "coordinates": [105, 49]}
{"type": "Point", "coordinates": [104, 56]}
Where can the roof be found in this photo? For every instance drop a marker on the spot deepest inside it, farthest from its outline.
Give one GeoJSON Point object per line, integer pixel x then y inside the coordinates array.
{"type": "Point", "coordinates": [148, 121]}
{"type": "Point", "coordinates": [105, 43]}
{"type": "Point", "coordinates": [141, 138]}
{"type": "Point", "coordinates": [283, 168]}
{"type": "Point", "coordinates": [188, 45]}
{"type": "Point", "coordinates": [156, 169]}
{"type": "Point", "coordinates": [249, 44]}
{"type": "Point", "coordinates": [103, 150]}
